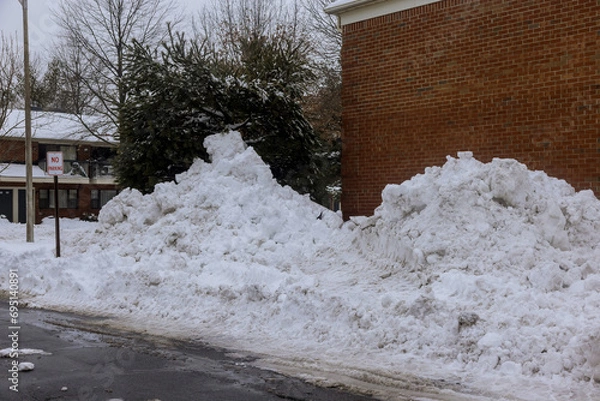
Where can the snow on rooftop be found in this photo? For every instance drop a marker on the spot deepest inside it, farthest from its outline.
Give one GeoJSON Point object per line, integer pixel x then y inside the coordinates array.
{"type": "Point", "coordinates": [52, 126]}
{"type": "Point", "coordinates": [18, 171]}
{"type": "Point", "coordinates": [342, 5]}
{"type": "Point", "coordinates": [350, 11]}
{"type": "Point", "coordinates": [481, 277]}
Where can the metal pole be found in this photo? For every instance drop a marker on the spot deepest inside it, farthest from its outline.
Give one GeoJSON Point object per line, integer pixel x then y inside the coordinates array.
{"type": "Point", "coordinates": [56, 217]}
{"type": "Point", "coordinates": [29, 194]}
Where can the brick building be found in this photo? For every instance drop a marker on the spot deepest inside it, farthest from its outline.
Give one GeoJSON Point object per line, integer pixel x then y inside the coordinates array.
{"type": "Point", "coordinates": [88, 182]}
{"type": "Point", "coordinates": [423, 79]}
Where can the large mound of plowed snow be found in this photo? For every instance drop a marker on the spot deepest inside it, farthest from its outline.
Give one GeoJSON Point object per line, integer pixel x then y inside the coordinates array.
{"type": "Point", "coordinates": [507, 262]}
{"type": "Point", "coordinates": [485, 272]}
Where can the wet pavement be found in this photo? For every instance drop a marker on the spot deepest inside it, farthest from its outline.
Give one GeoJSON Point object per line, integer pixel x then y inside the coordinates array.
{"type": "Point", "coordinates": [87, 362]}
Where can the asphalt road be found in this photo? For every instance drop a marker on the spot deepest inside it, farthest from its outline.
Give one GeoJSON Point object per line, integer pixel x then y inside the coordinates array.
{"type": "Point", "coordinates": [86, 363]}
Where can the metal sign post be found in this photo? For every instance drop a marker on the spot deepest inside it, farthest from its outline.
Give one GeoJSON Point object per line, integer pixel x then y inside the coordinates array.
{"type": "Point", "coordinates": [55, 167]}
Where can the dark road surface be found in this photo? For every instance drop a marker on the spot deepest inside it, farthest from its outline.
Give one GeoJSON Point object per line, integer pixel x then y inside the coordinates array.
{"type": "Point", "coordinates": [84, 363]}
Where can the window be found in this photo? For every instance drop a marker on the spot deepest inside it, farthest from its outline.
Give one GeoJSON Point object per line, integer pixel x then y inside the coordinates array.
{"type": "Point", "coordinates": [101, 162]}
{"type": "Point", "coordinates": [67, 199]}
{"type": "Point", "coordinates": [69, 152]}
{"type": "Point", "coordinates": [72, 166]}
{"type": "Point", "coordinates": [101, 197]}
{"type": "Point", "coordinates": [44, 202]}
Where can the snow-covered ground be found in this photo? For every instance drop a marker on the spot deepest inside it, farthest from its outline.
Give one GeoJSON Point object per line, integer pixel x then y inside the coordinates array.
{"type": "Point", "coordinates": [479, 278]}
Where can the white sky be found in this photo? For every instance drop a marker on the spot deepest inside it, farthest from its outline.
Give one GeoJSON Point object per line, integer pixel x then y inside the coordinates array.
{"type": "Point", "coordinates": [41, 25]}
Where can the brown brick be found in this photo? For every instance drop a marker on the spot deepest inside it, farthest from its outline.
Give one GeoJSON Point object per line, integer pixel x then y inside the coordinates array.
{"type": "Point", "coordinates": [501, 78]}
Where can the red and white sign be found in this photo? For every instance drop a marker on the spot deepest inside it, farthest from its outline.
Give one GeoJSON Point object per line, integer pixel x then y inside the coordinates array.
{"type": "Point", "coordinates": [54, 161]}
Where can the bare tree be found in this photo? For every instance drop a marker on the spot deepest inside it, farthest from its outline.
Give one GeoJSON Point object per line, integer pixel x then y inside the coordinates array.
{"type": "Point", "coordinates": [228, 24]}
{"type": "Point", "coordinates": [95, 35]}
{"type": "Point", "coordinates": [326, 34]}
{"type": "Point", "coordinates": [72, 67]}
{"type": "Point", "coordinates": [323, 102]}
{"type": "Point", "coordinates": [10, 68]}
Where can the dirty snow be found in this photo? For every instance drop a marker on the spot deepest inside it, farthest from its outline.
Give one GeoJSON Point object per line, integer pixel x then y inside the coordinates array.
{"type": "Point", "coordinates": [474, 278]}
{"type": "Point", "coordinates": [6, 352]}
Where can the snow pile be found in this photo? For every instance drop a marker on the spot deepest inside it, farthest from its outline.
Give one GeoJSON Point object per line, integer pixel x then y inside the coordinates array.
{"type": "Point", "coordinates": [229, 210]}
{"type": "Point", "coordinates": [220, 251]}
{"type": "Point", "coordinates": [507, 261]}
{"type": "Point", "coordinates": [486, 274]}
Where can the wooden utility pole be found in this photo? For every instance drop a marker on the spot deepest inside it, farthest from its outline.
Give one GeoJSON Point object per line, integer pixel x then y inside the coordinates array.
{"type": "Point", "coordinates": [29, 194]}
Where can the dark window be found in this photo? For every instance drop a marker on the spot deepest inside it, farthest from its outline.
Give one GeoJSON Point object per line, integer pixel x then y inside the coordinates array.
{"type": "Point", "coordinates": [67, 199]}
{"type": "Point", "coordinates": [44, 201]}
{"type": "Point", "coordinates": [101, 162]}
{"type": "Point", "coordinates": [101, 197]}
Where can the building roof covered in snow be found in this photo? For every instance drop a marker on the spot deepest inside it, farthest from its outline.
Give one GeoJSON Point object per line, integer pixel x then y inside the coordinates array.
{"type": "Point", "coordinates": [56, 127]}
{"type": "Point", "coordinates": [350, 11]}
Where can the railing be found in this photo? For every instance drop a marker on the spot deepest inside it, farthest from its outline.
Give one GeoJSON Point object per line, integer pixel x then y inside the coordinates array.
{"type": "Point", "coordinates": [94, 169]}
{"type": "Point", "coordinates": [102, 169]}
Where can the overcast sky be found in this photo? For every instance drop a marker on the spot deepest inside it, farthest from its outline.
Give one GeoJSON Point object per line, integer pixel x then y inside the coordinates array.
{"type": "Point", "coordinates": [41, 26]}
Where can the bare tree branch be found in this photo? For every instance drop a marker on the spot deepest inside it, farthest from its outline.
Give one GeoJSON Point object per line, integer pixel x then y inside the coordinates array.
{"type": "Point", "coordinates": [95, 35]}
{"type": "Point", "coordinates": [225, 22]}
{"type": "Point", "coordinates": [326, 35]}
{"type": "Point", "coordinates": [10, 67]}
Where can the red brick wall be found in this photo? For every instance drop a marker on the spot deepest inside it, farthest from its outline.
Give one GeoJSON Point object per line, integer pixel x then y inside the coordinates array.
{"type": "Point", "coordinates": [13, 150]}
{"type": "Point", "coordinates": [517, 79]}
